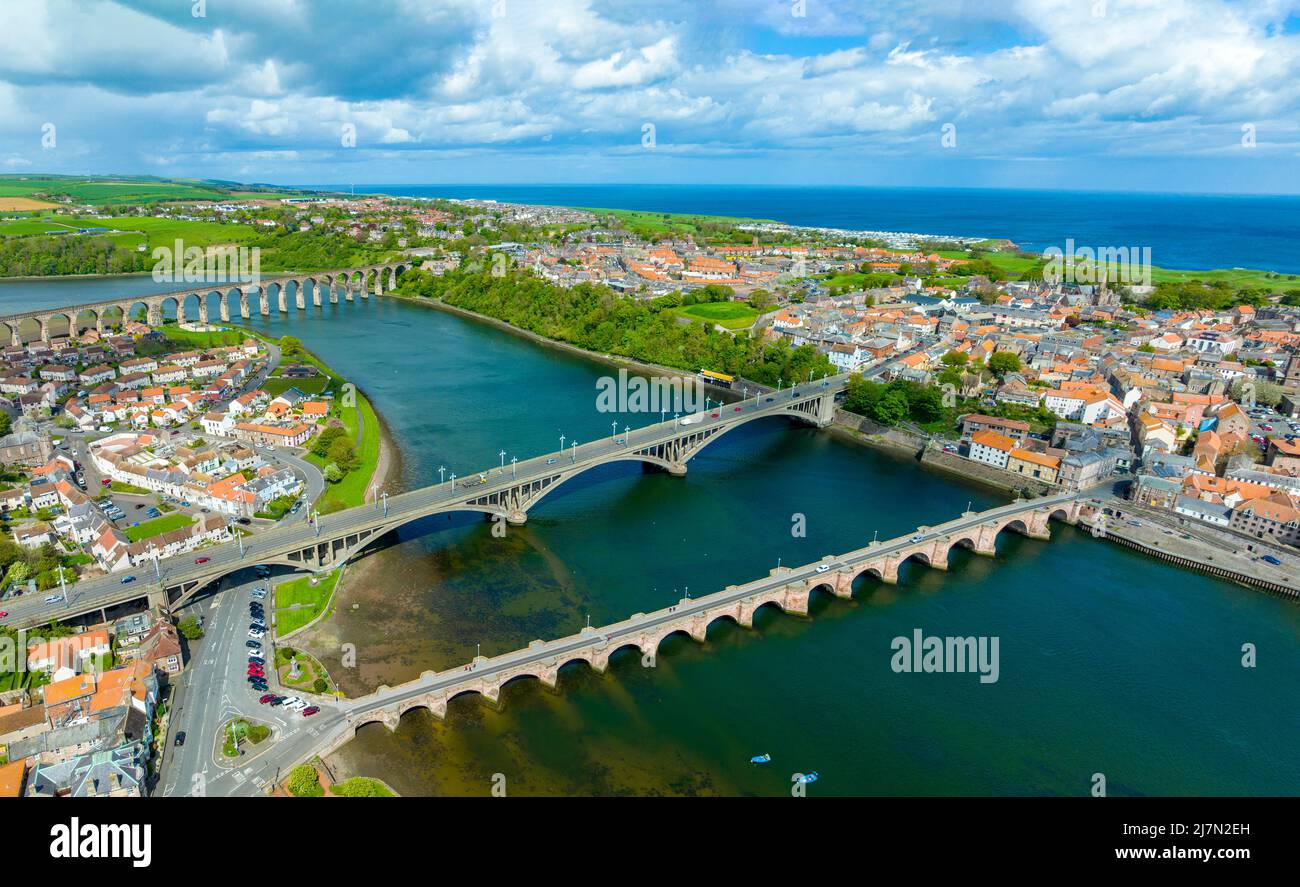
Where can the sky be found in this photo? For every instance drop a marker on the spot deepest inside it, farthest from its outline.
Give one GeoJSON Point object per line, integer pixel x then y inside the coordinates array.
{"type": "Point", "coordinates": [1126, 95]}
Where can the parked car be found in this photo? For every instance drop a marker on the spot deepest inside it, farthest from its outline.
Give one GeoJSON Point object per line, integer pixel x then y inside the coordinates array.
{"type": "Point", "coordinates": [180, 738]}
{"type": "Point", "coordinates": [265, 698]}
{"type": "Point", "coordinates": [310, 710]}
{"type": "Point", "coordinates": [256, 634]}
{"type": "Point", "coordinates": [251, 644]}
{"type": "Point", "coordinates": [3, 613]}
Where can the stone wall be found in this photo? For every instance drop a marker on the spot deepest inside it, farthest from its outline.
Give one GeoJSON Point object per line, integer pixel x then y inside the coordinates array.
{"type": "Point", "coordinates": [952, 463]}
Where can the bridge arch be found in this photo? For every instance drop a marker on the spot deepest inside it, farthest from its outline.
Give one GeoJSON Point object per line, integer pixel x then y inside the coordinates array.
{"type": "Point", "coordinates": [58, 325]}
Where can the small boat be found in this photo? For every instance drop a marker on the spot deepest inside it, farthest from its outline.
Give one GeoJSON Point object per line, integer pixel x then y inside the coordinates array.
{"type": "Point", "coordinates": [806, 778]}
{"type": "Point", "coordinates": [760, 759]}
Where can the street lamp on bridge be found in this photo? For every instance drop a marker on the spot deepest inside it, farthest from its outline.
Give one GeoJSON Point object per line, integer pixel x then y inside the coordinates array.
{"type": "Point", "coordinates": [513, 460]}
{"type": "Point", "coordinates": [384, 495]}
{"type": "Point", "coordinates": [575, 452]}
{"type": "Point", "coordinates": [442, 473]}
{"type": "Point", "coordinates": [502, 454]}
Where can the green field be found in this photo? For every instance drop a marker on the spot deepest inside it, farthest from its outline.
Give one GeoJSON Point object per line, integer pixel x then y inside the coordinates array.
{"type": "Point", "coordinates": [158, 526]}
{"type": "Point", "coordinates": [298, 602]}
{"type": "Point", "coordinates": [351, 490]}
{"type": "Point", "coordinates": [729, 315]}
{"type": "Point", "coordinates": [107, 190]}
{"type": "Point", "coordinates": [278, 385]}
{"type": "Point", "coordinates": [133, 231]}
{"type": "Point", "coordinates": [670, 223]}
{"type": "Point", "coordinates": [205, 340]}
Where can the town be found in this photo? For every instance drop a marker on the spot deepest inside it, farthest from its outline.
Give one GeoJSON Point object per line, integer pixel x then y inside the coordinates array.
{"type": "Point", "coordinates": [134, 440]}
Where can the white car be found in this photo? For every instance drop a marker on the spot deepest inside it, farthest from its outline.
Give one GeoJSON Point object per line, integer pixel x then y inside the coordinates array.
{"type": "Point", "coordinates": [256, 634]}
{"type": "Point", "coordinates": [823, 568]}
{"type": "Point", "coordinates": [917, 538]}
{"type": "Point", "coordinates": [53, 598]}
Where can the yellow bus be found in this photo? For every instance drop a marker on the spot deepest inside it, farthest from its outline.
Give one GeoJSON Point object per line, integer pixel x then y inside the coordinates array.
{"type": "Point", "coordinates": [720, 379]}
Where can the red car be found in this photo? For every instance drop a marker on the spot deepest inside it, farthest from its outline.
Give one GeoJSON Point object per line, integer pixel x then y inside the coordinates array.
{"type": "Point", "coordinates": [310, 710]}
{"type": "Point", "coordinates": [714, 415]}
{"type": "Point", "coordinates": [105, 482]}
{"type": "Point", "coordinates": [3, 613]}
{"type": "Point", "coordinates": [202, 560]}
{"type": "Point", "coordinates": [738, 409]}
{"type": "Point", "coordinates": [256, 671]}
{"type": "Point", "coordinates": [266, 697]}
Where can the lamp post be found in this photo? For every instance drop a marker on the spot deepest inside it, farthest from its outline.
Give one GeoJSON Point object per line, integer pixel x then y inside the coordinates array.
{"type": "Point", "coordinates": [513, 460]}
{"type": "Point", "coordinates": [575, 452]}
{"type": "Point", "coordinates": [614, 428]}
{"type": "Point", "coordinates": [384, 495]}
{"type": "Point", "coordinates": [561, 444]}
{"type": "Point", "coordinates": [502, 454]}
{"type": "Point", "coordinates": [442, 474]}
{"type": "Point", "coordinates": [452, 482]}
{"type": "Point", "coordinates": [315, 519]}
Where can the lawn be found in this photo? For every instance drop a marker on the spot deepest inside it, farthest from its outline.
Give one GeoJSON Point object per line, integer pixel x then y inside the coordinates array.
{"type": "Point", "coordinates": [278, 385]}
{"type": "Point", "coordinates": [204, 340]}
{"type": "Point", "coordinates": [729, 315]}
{"type": "Point", "coordinates": [298, 602]}
{"type": "Point", "coordinates": [158, 526]}
{"type": "Point", "coordinates": [118, 486]}
{"type": "Point", "coordinates": [362, 787]}
{"type": "Point", "coordinates": [351, 490]}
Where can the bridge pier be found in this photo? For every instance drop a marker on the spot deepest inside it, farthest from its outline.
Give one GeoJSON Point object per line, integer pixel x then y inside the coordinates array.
{"type": "Point", "coordinates": [299, 299]}
{"type": "Point", "coordinates": [517, 518]}
{"type": "Point", "coordinates": [203, 312]}
{"type": "Point", "coordinates": [315, 293]}
{"type": "Point", "coordinates": [677, 469]}
{"type": "Point", "coordinates": [334, 294]}
{"type": "Point", "coordinates": [283, 300]}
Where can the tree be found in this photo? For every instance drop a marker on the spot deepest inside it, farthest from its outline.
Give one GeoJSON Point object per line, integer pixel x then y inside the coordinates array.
{"type": "Point", "coordinates": [955, 359]}
{"type": "Point", "coordinates": [321, 445]}
{"type": "Point", "coordinates": [290, 346]}
{"type": "Point", "coordinates": [189, 627]}
{"type": "Point", "coordinates": [333, 474]}
{"type": "Point", "coordinates": [890, 408]}
{"type": "Point", "coordinates": [1003, 362]}
{"type": "Point", "coordinates": [303, 782]}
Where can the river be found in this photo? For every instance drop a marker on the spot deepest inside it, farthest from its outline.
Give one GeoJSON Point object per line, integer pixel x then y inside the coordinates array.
{"type": "Point", "coordinates": [1109, 662]}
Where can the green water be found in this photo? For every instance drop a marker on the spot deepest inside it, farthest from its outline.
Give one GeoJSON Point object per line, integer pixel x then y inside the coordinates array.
{"type": "Point", "coordinates": [1109, 663]}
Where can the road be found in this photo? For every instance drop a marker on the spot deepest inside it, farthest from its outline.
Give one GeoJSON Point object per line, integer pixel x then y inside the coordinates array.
{"type": "Point", "coordinates": [213, 690]}
{"type": "Point", "coordinates": [221, 559]}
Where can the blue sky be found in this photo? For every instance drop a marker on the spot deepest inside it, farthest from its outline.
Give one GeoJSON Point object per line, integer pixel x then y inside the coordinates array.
{"type": "Point", "coordinates": [1143, 95]}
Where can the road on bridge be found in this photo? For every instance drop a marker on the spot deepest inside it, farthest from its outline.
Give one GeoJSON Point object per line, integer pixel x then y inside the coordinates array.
{"type": "Point", "coordinates": [107, 591]}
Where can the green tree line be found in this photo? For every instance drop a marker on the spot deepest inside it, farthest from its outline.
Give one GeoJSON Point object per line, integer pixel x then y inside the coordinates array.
{"type": "Point", "coordinates": [597, 319]}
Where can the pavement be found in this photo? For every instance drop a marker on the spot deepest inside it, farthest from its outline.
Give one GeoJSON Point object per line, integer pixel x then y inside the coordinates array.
{"type": "Point", "coordinates": [214, 689]}
{"type": "Point", "coordinates": [1204, 544]}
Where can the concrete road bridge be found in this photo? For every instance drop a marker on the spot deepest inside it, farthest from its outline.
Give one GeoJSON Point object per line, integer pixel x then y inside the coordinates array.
{"type": "Point", "coordinates": [194, 303]}
{"type": "Point", "coordinates": [788, 588]}
{"type": "Point", "coordinates": [505, 494]}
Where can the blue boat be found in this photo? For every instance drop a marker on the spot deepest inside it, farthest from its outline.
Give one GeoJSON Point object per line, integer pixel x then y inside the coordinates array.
{"type": "Point", "coordinates": [806, 778]}
{"type": "Point", "coordinates": [760, 759]}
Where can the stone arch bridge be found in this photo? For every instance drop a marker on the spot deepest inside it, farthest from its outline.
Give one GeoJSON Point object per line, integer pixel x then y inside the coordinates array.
{"type": "Point", "coordinates": [788, 589]}
{"type": "Point", "coordinates": [231, 297]}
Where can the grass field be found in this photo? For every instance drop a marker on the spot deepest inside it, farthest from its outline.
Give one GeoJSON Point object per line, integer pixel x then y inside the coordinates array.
{"type": "Point", "coordinates": [278, 385]}
{"type": "Point", "coordinates": [668, 223]}
{"type": "Point", "coordinates": [133, 231]}
{"type": "Point", "coordinates": [195, 339]}
{"type": "Point", "coordinates": [298, 602]}
{"type": "Point", "coordinates": [158, 526]}
{"type": "Point", "coordinates": [352, 489]}
{"type": "Point", "coordinates": [108, 190]}
{"type": "Point", "coordinates": [730, 315]}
